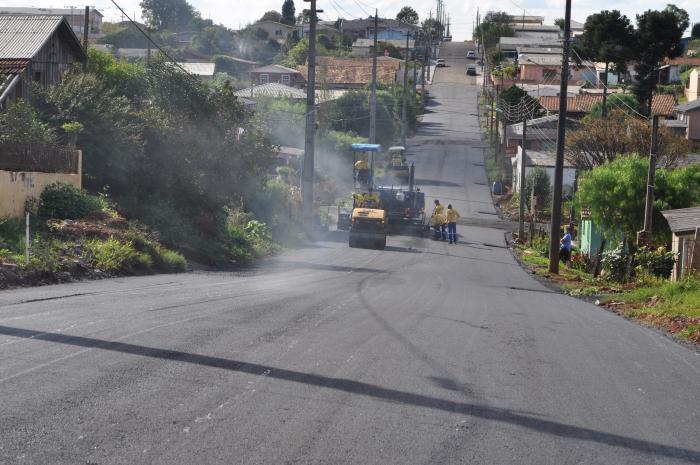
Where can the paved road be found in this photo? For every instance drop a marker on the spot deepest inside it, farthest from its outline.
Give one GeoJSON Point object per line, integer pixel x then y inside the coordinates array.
{"type": "Point", "coordinates": [424, 353]}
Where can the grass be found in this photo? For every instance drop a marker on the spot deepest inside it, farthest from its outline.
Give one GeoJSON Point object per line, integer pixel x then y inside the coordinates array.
{"type": "Point", "coordinates": [657, 302]}
{"type": "Point", "coordinates": [662, 297]}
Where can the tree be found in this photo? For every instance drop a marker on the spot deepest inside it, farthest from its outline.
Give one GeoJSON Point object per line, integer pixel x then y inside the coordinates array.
{"type": "Point", "coordinates": [561, 22]}
{"type": "Point", "coordinates": [288, 12]}
{"type": "Point", "coordinates": [599, 141]}
{"type": "Point", "coordinates": [515, 97]}
{"type": "Point", "coordinates": [20, 124]}
{"type": "Point", "coordinates": [494, 26]}
{"type": "Point", "coordinates": [432, 24]}
{"type": "Point", "coordinates": [407, 15]}
{"type": "Point", "coordinates": [607, 37]}
{"type": "Point", "coordinates": [538, 181]}
{"type": "Point", "coordinates": [695, 34]}
{"type": "Point", "coordinates": [615, 193]}
{"type": "Point", "coordinates": [658, 36]}
{"type": "Point", "coordinates": [167, 14]}
{"type": "Point", "coordinates": [272, 15]}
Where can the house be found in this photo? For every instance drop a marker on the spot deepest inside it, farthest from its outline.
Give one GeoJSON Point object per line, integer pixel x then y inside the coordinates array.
{"type": "Point", "coordinates": [509, 45]}
{"type": "Point", "coordinates": [543, 66]}
{"type": "Point", "coordinates": [275, 31]}
{"type": "Point", "coordinates": [353, 73]}
{"type": "Point", "coordinates": [325, 28]}
{"type": "Point", "coordinates": [74, 16]}
{"type": "Point", "coordinates": [537, 31]}
{"type": "Point", "coordinates": [387, 29]}
{"type": "Point", "coordinates": [523, 20]}
{"type": "Point", "coordinates": [688, 115]}
{"type": "Point", "coordinates": [34, 49]}
{"type": "Point", "coordinates": [363, 47]}
{"type": "Point", "coordinates": [541, 134]}
{"type": "Point", "coordinates": [276, 73]}
{"type": "Point", "coordinates": [685, 228]}
{"type": "Point", "coordinates": [204, 71]}
{"type": "Point", "coordinates": [671, 70]}
{"type": "Point", "coordinates": [546, 161]}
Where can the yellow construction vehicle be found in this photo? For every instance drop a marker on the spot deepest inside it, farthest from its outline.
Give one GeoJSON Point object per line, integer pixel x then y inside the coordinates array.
{"type": "Point", "coordinates": [368, 220]}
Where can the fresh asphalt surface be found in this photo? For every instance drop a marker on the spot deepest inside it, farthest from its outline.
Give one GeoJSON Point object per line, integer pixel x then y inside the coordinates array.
{"type": "Point", "coordinates": [425, 353]}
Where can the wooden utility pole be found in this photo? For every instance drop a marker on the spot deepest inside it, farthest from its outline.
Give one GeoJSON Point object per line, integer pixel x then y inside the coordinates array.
{"type": "Point", "coordinates": [373, 95]}
{"type": "Point", "coordinates": [430, 43]}
{"type": "Point", "coordinates": [644, 235]}
{"type": "Point", "coordinates": [523, 165]}
{"type": "Point", "coordinates": [561, 138]}
{"type": "Point", "coordinates": [404, 109]}
{"type": "Point", "coordinates": [86, 28]}
{"type": "Point", "coordinates": [307, 175]}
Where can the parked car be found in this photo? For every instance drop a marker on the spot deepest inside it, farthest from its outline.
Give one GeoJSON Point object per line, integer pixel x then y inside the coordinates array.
{"type": "Point", "coordinates": [471, 55]}
{"type": "Point", "coordinates": [471, 70]}
{"type": "Point", "coordinates": [440, 63]}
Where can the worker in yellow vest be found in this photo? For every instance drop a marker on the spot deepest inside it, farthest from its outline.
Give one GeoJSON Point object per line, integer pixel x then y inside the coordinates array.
{"type": "Point", "coordinates": [451, 218]}
{"type": "Point", "coordinates": [438, 220]}
{"type": "Point", "coordinates": [362, 171]}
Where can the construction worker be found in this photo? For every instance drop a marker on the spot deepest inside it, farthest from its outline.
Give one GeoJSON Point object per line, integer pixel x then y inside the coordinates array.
{"type": "Point", "coordinates": [370, 200]}
{"type": "Point", "coordinates": [439, 221]}
{"type": "Point", "coordinates": [362, 171]}
{"type": "Point", "coordinates": [451, 218]}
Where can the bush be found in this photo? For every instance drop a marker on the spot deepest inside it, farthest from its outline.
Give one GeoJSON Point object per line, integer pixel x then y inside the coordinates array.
{"type": "Point", "coordinates": [169, 260]}
{"type": "Point", "coordinates": [11, 233]}
{"type": "Point", "coordinates": [582, 262]}
{"type": "Point", "coordinates": [111, 255]}
{"type": "Point", "coordinates": [67, 202]}
{"type": "Point", "coordinates": [615, 262]}
{"type": "Point", "coordinates": [538, 179]}
{"type": "Point", "coordinates": [657, 262]}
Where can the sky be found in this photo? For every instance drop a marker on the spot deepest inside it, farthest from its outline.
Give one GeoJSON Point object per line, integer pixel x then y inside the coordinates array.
{"type": "Point", "coordinates": [238, 13]}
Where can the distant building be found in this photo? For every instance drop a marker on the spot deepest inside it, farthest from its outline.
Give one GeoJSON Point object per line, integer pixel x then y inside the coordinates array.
{"type": "Point", "coordinates": [275, 31]}
{"type": "Point", "coordinates": [362, 47]}
{"type": "Point", "coordinates": [688, 115]}
{"type": "Point", "coordinates": [34, 49]}
{"type": "Point", "coordinates": [276, 73]}
{"type": "Point", "coordinates": [387, 29]}
{"type": "Point", "coordinates": [536, 31]}
{"type": "Point", "coordinates": [204, 71]}
{"type": "Point", "coordinates": [353, 73]}
{"type": "Point", "coordinates": [685, 227]}
{"type": "Point", "coordinates": [74, 16]}
{"type": "Point", "coordinates": [547, 162]}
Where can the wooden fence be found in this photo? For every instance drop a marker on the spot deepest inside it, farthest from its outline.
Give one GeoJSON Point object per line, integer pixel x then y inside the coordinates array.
{"type": "Point", "coordinates": [39, 158]}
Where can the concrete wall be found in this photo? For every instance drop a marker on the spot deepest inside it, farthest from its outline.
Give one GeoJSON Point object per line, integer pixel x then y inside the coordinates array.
{"type": "Point", "coordinates": [692, 92]}
{"type": "Point", "coordinates": [693, 125]}
{"type": "Point", "coordinates": [17, 187]}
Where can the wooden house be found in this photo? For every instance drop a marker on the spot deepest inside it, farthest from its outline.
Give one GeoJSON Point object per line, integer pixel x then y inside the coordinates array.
{"type": "Point", "coordinates": [34, 49]}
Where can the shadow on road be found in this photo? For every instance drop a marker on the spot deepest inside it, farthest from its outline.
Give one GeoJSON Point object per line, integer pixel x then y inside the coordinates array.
{"type": "Point", "coordinates": [501, 415]}
{"type": "Point", "coordinates": [294, 265]}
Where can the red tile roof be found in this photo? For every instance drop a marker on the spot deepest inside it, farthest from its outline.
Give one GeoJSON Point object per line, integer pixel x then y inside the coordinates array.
{"type": "Point", "coordinates": [352, 71]}
{"type": "Point", "coordinates": [13, 66]}
{"type": "Point", "coordinates": [683, 61]}
{"type": "Point", "coordinates": [662, 104]}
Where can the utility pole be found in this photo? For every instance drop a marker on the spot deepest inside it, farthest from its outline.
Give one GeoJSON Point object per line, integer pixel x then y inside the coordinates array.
{"type": "Point", "coordinates": [561, 137]}
{"type": "Point", "coordinates": [644, 235]}
{"type": "Point", "coordinates": [86, 27]}
{"type": "Point", "coordinates": [415, 68]}
{"type": "Point", "coordinates": [523, 165]}
{"type": "Point", "coordinates": [373, 95]}
{"type": "Point", "coordinates": [310, 133]}
{"type": "Point", "coordinates": [404, 109]}
{"type": "Point", "coordinates": [430, 42]}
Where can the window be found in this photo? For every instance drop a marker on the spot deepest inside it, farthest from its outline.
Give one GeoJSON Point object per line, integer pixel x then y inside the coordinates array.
{"type": "Point", "coordinates": [264, 78]}
{"type": "Point", "coordinates": [278, 32]}
{"type": "Point", "coordinates": [549, 74]}
{"type": "Point", "coordinates": [286, 79]}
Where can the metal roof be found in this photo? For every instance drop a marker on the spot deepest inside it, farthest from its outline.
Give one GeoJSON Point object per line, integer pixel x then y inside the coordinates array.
{"type": "Point", "coordinates": [272, 89]}
{"type": "Point", "coordinates": [274, 69]}
{"type": "Point", "coordinates": [198, 69]}
{"type": "Point", "coordinates": [46, 11]}
{"type": "Point", "coordinates": [22, 36]}
{"type": "Point", "coordinates": [683, 220]}
{"type": "Point", "coordinates": [690, 106]}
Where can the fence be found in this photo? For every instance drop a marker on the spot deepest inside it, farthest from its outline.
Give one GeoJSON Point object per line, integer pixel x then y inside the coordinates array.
{"type": "Point", "coordinates": [39, 158]}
